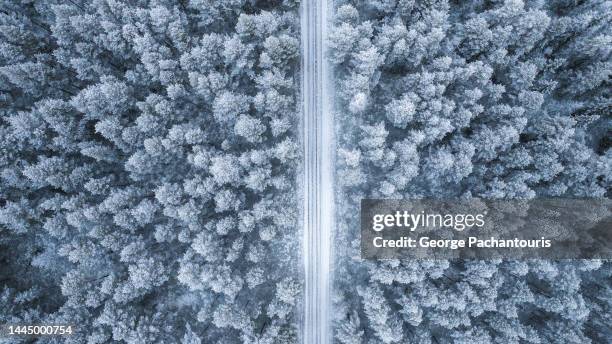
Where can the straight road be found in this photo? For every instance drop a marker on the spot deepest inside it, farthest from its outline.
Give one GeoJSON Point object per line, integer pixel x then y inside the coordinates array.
{"type": "Point", "coordinates": [318, 145]}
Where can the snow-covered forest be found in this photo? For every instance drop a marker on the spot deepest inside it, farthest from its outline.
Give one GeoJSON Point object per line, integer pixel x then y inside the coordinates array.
{"type": "Point", "coordinates": [459, 99]}
{"type": "Point", "coordinates": [152, 173]}
{"type": "Point", "coordinates": [148, 170]}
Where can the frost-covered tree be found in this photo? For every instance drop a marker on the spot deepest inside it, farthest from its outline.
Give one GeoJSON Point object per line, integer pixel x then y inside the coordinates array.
{"type": "Point", "coordinates": [148, 168]}
{"type": "Point", "coordinates": [458, 99]}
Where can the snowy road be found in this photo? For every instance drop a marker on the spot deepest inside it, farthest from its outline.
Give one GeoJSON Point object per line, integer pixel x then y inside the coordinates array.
{"type": "Point", "coordinates": [318, 173]}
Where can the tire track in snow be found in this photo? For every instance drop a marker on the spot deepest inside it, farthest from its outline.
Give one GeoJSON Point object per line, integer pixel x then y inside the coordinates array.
{"type": "Point", "coordinates": [318, 204]}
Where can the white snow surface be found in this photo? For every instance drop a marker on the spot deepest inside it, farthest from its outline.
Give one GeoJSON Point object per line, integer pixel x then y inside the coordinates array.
{"type": "Point", "coordinates": [318, 198]}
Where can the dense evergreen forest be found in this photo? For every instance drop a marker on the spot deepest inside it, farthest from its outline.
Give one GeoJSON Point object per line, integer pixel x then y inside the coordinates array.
{"type": "Point", "coordinates": [151, 163]}
{"type": "Point", "coordinates": [148, 169]}
{"type": "Point", "coordinates": [461, 99]}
